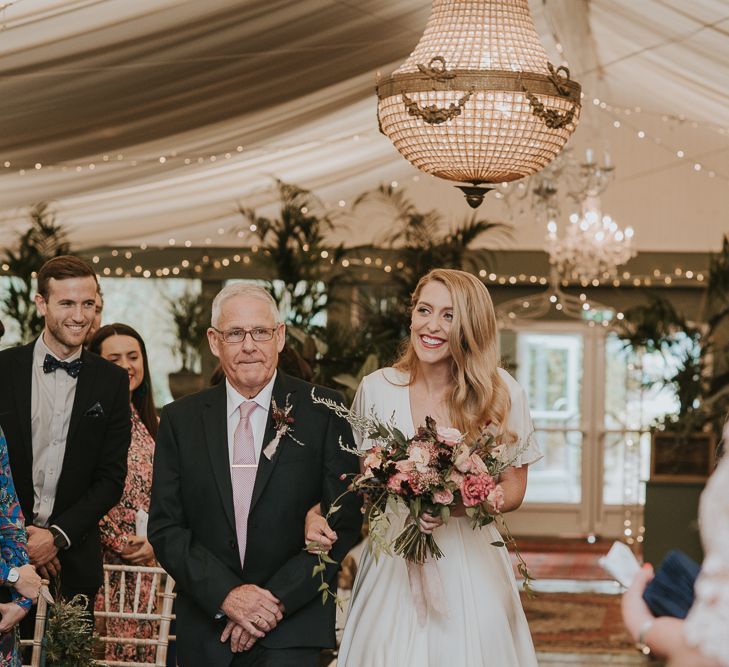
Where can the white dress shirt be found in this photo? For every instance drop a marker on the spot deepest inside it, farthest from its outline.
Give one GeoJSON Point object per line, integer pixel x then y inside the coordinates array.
{"type": "Point", "coordinates": [258, 418]}
{"type": "Point", "coordinates": [51, 402]}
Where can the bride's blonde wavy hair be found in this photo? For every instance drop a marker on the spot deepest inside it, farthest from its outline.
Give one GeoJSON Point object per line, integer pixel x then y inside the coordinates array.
{"type": "Point", "coordinates": [479, 396]}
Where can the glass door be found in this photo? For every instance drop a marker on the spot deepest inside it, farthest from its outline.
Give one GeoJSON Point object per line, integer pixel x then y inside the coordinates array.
{"type": "Point", "coordinates": [549, 361]}
{"type": "Point", "coordinates": [592, 401]}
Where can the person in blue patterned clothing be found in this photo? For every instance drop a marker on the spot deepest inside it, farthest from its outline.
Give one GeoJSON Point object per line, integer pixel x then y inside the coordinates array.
{"type": "Point", "coordinates": [16, 574]}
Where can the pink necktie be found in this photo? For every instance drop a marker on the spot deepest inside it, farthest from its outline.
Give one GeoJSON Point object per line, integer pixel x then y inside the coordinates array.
{"type": "Point", "coordinates": [243, 474]}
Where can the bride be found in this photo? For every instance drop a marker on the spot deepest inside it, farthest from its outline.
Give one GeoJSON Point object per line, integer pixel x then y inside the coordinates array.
{"type": "Point", "coordinates": [448, 371]}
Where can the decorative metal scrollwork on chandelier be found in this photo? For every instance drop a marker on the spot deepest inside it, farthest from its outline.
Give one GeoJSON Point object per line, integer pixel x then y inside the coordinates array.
{"type": "Point", "coordinates": [477, 100]}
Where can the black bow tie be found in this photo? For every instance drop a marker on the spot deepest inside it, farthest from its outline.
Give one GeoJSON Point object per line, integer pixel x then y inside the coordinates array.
{"type": "Point", "coordinates": [73, 368]}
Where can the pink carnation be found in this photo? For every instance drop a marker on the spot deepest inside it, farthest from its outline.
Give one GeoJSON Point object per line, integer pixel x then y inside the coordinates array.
{"type": "Point", "coordinates": [476, 488]}
{"type": "Point", "coordinates": [443, 496]}
{"type": "Point", "coordinates": [450, 436]}
{"type": "Point", "coordinates": [406, 465]}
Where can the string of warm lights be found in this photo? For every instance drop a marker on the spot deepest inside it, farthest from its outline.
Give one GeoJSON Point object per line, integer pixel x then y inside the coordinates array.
{"type": "Point", "coordinates": [108, 264]}
{"type": "Point", "coordinates": [640, 134]}
{"type": "Point", "coordinates": [172, 159]}
{"type": "Point", "coordinates": [668, 118]}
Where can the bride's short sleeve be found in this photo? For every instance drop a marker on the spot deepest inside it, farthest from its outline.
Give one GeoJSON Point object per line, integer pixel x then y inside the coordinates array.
{"type": "Point", "coordinates": [524, 450]}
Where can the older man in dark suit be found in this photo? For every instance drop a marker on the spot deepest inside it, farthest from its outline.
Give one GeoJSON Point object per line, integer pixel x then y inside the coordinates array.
{"type": "Point", "coordinates": [236, 469]}
{"type": "Point", "coordinates": [65, 414]}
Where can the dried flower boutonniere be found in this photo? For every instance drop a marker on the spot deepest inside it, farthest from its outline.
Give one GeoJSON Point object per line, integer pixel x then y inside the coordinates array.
{"type": "Point", "coordinates": [282, 423]}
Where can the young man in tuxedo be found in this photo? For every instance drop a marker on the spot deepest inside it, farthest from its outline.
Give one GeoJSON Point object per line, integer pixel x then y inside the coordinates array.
{"type": "Point", "coordinates": [65, 413]}
{"type": "Point", "coordinates": [230, 495]}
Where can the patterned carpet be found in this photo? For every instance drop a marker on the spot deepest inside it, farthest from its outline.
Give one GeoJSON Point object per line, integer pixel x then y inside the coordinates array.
{"type": "Point", "coordinates": [577, 623]}
{"type": "Point", "coordinates": [572, 622]}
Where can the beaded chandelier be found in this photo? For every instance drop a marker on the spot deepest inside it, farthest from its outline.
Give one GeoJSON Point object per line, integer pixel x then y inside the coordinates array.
{"type": "Point", "coordinates": [477, 101]}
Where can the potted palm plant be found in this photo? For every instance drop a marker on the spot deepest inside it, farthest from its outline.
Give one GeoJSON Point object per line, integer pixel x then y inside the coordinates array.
{"type": "Point", "coordinates": [683, 448]}
{"type": "Point", "coordinates": [188, 311]}
{"type": "Point", "coordinates": [43, 240]}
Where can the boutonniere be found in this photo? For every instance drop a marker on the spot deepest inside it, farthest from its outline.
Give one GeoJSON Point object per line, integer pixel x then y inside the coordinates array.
{"type": "Point", "coordinates": [282, 422]}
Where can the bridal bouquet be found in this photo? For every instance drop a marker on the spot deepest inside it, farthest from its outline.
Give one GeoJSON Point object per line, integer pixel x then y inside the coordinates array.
{"type": "Point", "coordinates": [430, 472]}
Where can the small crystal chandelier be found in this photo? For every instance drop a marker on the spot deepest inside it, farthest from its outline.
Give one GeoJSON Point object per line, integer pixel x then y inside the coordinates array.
{"type": "Point", "coordinates": [477, 101]}
{"type": "Point", "coordinates": [592, 246]}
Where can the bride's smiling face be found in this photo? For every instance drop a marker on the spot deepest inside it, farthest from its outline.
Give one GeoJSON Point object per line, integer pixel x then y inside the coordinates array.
{"type": "Point", "coordinates": [431, 322]}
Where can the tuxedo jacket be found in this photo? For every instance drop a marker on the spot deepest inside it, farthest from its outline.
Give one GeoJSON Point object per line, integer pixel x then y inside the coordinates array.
{"type": "Point", "coordinates": [192, 518]}
{"type": "Point", "coordinates": [94, 463]}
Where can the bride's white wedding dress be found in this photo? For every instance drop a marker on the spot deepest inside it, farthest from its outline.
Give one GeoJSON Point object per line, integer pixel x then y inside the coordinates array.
{"type": "Point", "coordinates": [485, 624]}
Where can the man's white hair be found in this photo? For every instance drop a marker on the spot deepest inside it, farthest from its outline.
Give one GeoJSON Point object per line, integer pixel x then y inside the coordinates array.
{"type": "Point", "coordinates": [242, 289]}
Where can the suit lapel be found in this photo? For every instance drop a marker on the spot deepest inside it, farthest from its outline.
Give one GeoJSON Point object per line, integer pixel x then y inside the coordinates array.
{"type": "Point", "coordinates": [215, 422]}
{"type": "Point", "coordinates": [83, 399]}
{"type": "Point", "coordinates": [23, 381]}
{"type": "Point", "coordinates": [281, 392]}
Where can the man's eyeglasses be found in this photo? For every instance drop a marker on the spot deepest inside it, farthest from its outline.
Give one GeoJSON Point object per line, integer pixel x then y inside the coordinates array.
{"type": "Point", "coordinates": [258, 334]}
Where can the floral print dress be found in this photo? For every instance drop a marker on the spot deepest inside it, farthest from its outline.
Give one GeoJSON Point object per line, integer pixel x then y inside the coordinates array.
{"type": "Point", "coordinates": [116, 527]}
{"type": "Point", "coordinates": [13, 552]}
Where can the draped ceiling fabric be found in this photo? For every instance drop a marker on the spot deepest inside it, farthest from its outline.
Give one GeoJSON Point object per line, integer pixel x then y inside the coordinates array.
{"type": "Point", "coordinates": [186, 109]}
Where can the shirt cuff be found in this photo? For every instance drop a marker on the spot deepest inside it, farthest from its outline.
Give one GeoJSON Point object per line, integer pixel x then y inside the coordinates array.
{"type": "Point", "coordinates": [4, 570]}
{"type": "Point", "coordinates": [65, 537]}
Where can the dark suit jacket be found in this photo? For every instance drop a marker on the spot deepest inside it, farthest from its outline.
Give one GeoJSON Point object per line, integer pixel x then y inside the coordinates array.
{"type": "Point", "coordinates": [192, 520]}
{"type": "Point", "coordinates": [94, 464]}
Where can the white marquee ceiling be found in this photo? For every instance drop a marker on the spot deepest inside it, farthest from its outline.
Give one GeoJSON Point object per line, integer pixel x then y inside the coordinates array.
{"type": "Point", "coordinates": [206, 102]}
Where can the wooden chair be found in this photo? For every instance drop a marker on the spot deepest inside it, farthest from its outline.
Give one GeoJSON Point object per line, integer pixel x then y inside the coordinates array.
{"type": "Point", "coordinates": [39, 630]}
{"type": "Point", "coordinates": [160, 613]}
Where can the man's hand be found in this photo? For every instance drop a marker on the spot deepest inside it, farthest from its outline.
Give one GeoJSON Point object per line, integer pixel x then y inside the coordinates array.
{"type": "Point", "coordinates": [255, 609]}
{"type": "Point", "coordinates": [11, 614]}
{"type": "Point", "coordinates": [28, 583]}
{"type": "Point", "coordinates": [40, 545]}
{"type": "Point", "coordinates": [138, 551]}
{"type": "Point", "coordinates": [240, 640]}
{"type": "Point", "coordinates": [50, 570]}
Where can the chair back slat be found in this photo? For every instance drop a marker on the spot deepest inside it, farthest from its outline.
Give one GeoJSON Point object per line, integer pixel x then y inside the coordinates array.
{"type": "Point", "coordinates": [106, 590]}
{"type": "Point", "coordinates": [159, 614]}
{"type": "Point", "coordinates": [161, 586]}
{"type": "Point", "coordinates": [38, 630]}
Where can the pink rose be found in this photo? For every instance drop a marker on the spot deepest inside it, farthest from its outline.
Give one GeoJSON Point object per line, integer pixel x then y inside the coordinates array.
{"type": "Point", "coordinates": [496, 498]}
{"type": "Point", "coordinates": [443, 496]}
{"type": "Point", "coordinates": [450, 436]}
{"type": "Point", "coordinates": [405, 466]}
{"type": "Point", "coordinates": [476, 488]}
{"type": "Point", "coordinates": [463, 461]}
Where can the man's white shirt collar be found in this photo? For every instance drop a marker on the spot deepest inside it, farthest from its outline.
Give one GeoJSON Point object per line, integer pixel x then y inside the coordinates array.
{"type": "Point", "coordinates": [41, 350]}
{"type": "Point", "coordinates": [262, 398]}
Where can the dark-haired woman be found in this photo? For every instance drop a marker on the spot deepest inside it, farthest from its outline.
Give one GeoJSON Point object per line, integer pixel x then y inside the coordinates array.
{"type": "Point", "coordinates": [121, 544]}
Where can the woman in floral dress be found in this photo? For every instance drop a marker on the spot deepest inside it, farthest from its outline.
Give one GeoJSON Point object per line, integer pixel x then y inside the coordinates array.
{"type": "Point", "coordinates": [13, 554]}
{"type": "Point", "coordinates": [123, 346]}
